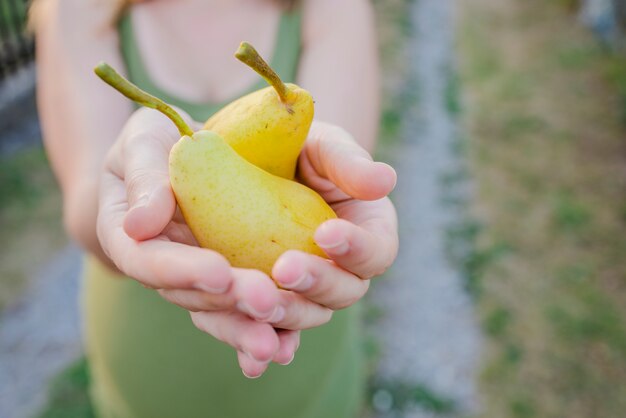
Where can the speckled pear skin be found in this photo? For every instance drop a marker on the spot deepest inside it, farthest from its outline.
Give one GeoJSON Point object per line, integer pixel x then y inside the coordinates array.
{"type": "Point", "coordinates": [233, 207]}
{"type": "Point", "coordinates": [264, 130]}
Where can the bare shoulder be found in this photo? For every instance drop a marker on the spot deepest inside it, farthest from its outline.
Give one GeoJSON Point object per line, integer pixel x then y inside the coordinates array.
{"type": "Point", "coordinates": [74, 18]}
{"type": "Point", "coordinates": [325, 17]}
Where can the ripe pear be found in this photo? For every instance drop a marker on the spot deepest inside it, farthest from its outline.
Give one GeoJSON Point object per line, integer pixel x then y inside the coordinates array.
{"type": "Point", "coordinates": [269, 126]}
{"type": "Point", "coordinates": [232, 206]}
{"type": "Point", "coordinates": [247, 214]}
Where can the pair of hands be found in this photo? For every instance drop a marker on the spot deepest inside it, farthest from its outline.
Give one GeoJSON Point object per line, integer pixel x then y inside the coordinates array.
{"type": "Point", "coordinates": [144, 234]}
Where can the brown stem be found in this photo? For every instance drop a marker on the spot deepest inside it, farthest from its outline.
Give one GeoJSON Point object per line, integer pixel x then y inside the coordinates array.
{"type": "Point", "coordinates": [249, 56]}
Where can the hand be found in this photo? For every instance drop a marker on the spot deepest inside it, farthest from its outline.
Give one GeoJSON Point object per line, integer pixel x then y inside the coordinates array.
{"type": "Point", "coordinates": [363, 242]}
{"type": "Point", "coordinates": [146, 238]}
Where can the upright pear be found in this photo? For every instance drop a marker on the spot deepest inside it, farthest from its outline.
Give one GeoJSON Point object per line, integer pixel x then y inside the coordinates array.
{"type": "Point", "coordinates": [232, 206]}
{"type": "Point", "coordinates": [269, 126]}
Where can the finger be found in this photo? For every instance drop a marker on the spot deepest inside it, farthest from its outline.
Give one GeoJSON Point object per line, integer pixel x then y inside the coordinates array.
{"type": "Point", "coordinates": [289, 343]}
{"type": "Point", "coordinates": [331, 154]}
{"type": "Point", "coordinates": [318, 280]}
{"type": "Point", "coordinates": [366, 250]}
{"type": "Point", "coordinates": [250, 367]}
{"type": "Point", "coordinates": [300, 312]}
{"type": "Point", "coordinates": [157, 263]}
{"type": "Point", "coordinates": [258, 340]}
{"type": "Point", "coordinates": [148, 138]}
{"type": "Point", "coordinates": [257, 295]}
{"type": "Point", "coordinates": [252, 293]}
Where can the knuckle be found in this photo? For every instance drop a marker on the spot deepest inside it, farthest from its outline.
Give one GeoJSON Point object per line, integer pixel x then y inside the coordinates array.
{"type": "Point", "coordinates": [140, 179]}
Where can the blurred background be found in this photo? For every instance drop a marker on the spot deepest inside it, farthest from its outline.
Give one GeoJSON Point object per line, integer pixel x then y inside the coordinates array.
{"type": "Point", "coordinates": [506, 121]}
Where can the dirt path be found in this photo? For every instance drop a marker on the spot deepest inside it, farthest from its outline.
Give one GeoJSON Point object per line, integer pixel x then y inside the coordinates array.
{"type": "Point", "coordinates": [39, 335]}
{"type": "Point", "coordinates": [428, 334]}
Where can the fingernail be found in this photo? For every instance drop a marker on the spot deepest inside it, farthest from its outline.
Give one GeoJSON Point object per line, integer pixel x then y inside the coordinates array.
{"type": "Point", "coordinates": [209, 289]}
{"type": "Point", "coordinates": [248, 376]}
{"type": "Point", "coordinates": [303, 283]}
{"type": "Point", "coordinates": [335, 248]}
{"type": "Point", "coordinates": [244, 307]}
{"type": "Point", "coordinates": [293, 355]}
{"type": "Point", "coordinates": [278, 315]}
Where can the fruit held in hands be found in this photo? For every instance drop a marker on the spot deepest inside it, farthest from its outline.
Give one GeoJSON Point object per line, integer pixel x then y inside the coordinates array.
{"type": "Point", "coordinates": [248, 215]}
{"type": "Point", "coordinates": [231, 206]}
{"type": "Point", "coordinates": [269, 126]}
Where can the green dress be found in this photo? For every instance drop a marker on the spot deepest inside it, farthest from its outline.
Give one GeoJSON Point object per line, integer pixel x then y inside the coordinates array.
{"type": "Point", "coordinates": [147, 360]}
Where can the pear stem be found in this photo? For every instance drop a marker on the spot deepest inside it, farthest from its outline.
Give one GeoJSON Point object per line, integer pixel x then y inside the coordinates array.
{"type": "Point", "coordinates": [249, 56]}
{"type": "Point", "coordinates": [128, 89]}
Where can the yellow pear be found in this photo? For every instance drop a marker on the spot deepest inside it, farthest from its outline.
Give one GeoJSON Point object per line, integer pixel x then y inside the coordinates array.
{"type": "Point", "coordinates": [269, 126]}
{"type": "Point", "coordinates": [232, 206]}
{"type": "Point", "coordinates": [247, 214]}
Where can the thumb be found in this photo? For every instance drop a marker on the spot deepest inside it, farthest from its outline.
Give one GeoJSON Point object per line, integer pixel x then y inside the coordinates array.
{"type": "Point", "coordinates": [152, 208]}
{"type": "Point", "coordinates": [145, 155]}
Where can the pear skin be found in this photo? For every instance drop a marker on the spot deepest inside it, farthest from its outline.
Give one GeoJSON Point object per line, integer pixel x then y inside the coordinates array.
{"type": "Point", "coordinates": [232, 206]}
{"type": "Point", "coordinates": [266, 131]}
{"type": "Point", "coordinates": [239, 210]}
{"type": "Point", "coordinates": [269, 126]}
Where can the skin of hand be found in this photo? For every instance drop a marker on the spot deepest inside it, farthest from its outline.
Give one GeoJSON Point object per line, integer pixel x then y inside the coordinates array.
{"type": "Point", "coordinates": [363, 242]}
{"type": "Point", "coordinates": [143, 233]}
{"type": "Point", "coordinates": [131, 223]}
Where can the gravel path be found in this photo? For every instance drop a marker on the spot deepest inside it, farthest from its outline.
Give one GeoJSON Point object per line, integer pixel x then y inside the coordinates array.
{"type": "Point", "coordinates": [428, 333]}
{"type": "Point", "coordinates": [39, 336]}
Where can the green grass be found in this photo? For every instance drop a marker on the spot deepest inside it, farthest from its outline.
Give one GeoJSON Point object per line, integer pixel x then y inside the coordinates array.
{"type": "Point", "coordinates": [13, 16]}
{"type": "Point", "coordinates": [68, 394]}
{"type": "Point", "coordinates": [22, 179]}
{"type": "Point", "coordinates": [397, 396]}
{"type": "Point", "coordinates": [543, 245]}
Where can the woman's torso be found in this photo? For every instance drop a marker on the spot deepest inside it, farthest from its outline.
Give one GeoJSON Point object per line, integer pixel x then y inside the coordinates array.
{"type": "Point", "coordinates": [147, 358]}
